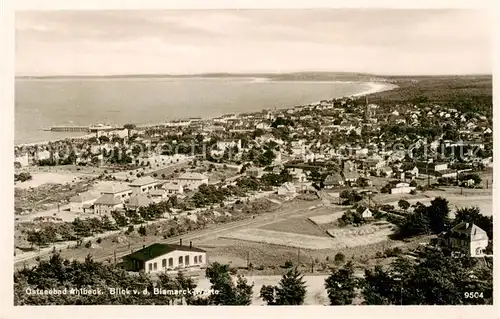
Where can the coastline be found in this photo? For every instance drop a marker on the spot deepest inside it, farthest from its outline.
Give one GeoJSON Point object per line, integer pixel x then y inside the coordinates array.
{"type": "Point", "coordinates": [375, 87]}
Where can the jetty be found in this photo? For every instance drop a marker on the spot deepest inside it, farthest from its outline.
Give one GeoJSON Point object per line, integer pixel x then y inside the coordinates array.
{"type": "Point", "coordinates": [82, 128]}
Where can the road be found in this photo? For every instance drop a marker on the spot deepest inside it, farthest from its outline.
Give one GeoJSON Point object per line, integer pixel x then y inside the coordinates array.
{"type": "Point", "coordinates": [257, 221]}
{"type": "Point", "coordinates": [21, 258]}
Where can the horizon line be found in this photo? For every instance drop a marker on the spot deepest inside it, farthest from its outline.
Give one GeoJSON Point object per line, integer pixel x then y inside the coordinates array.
{"type": "Point", "coordinates": [118, 75]}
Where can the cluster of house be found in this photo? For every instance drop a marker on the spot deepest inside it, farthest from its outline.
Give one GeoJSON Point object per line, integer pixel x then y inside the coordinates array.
{"type": "Point", "coordinates": [139, 193]}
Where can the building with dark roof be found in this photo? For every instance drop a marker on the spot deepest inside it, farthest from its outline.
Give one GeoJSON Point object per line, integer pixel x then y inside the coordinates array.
{"type": "Point", "coordinates": [469, 237]}
{"type": "Point", "coordinates": [166, 257]}
{"type": "Point", "coordinates": [334, 180]}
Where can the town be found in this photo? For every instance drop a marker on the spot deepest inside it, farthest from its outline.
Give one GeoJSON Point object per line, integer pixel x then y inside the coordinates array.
{"type": "Point", "coordinates": [391, 189]}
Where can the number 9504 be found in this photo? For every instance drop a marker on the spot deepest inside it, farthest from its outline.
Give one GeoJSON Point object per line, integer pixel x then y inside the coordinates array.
{"type": "Point", "coordinates": [474, 294]}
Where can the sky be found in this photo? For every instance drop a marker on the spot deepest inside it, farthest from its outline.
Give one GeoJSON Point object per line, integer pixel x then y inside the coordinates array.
{"type": "Point", "coordinates": [378, 41]}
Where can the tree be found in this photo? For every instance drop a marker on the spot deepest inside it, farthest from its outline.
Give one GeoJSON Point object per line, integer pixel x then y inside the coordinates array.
{"type": "Point", "coordinates": [435, 279]}
{"type": "Point", "coordinates": [415, 224]}
{"type": "Point", "coordinates": [403, 204]}
{"type": "Point", "coordinates": [438, 215]}
{"type": "Point", "coordinates": [142, 231]}
{"type": "Point", "coordinates": [227, 292]}
{"type": "Point", "coordinates": [340, 285]}
{"type": "Point", "coordinates": [291, 290]}
{"type": "Point", "coordinates": [350, 197]}
{"type": "Point", "coordinates": [339, 258]}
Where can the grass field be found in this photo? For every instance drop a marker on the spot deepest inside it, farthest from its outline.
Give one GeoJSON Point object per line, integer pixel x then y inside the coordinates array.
{"type": "Point", "coordinates": [326, 219]}
{"type": "Point", "coordinates": [283, 238]}
{"type": "Point", "coordinates": [296, 225]}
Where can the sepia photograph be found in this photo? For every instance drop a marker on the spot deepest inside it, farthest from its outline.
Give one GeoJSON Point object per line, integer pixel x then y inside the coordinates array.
{"type": "Point", "coordinates": [253, 157]}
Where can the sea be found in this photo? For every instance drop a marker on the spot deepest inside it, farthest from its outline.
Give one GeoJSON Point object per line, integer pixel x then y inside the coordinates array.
{"type": "Point", "coordinates": [42, 103]}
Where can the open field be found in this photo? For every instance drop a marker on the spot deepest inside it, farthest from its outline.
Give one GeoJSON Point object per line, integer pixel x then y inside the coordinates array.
{"type": "Point", "coordinates": [297, 226]}
{"type": "Point", "coordinates": [41, 178]}
{"type": "Point", "coordinates": [67, 169]}
{"type": "Point", "coordinates": [326, 219]}
{"type": "Point", "coordinates": [283, 238]}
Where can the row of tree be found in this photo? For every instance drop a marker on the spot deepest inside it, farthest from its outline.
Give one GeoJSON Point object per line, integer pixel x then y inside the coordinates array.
{"type": "Point", "coordinates": [436, 279]}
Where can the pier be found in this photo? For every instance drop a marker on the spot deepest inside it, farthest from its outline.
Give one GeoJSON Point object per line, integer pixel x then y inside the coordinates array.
{"type": "Point", "coordinates": [68, 129]}
{"type": "Point", "coordinates": [76, 128]}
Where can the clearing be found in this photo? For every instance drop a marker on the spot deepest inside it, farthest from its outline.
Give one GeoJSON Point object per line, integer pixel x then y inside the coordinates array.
{"type": "Point", "coordinates": [283, 238]}
{"type": "Point", "coordinates": [296, 225]}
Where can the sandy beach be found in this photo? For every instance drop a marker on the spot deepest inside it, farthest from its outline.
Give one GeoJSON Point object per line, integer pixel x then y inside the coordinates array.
{"type": "Point", "coordinates": [376, 87]}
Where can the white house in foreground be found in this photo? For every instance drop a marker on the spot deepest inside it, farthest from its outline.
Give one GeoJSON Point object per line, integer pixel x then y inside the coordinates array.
{"type": "Point", "coordinates": [166, 257]}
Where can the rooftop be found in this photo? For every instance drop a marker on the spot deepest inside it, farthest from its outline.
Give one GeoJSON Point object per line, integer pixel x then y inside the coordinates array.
{"type": "Point", "coordinates": [139, 201]}
{"type": "Point", "coordinates": [115, 188]}
{"type": "Point", "coordinates": [108, 199]}
{"type": "Point", "coordinates": [171, 186]}
{"type": "Point", "coordinates": [82, 197]}
{"type": "Point", "coordinates": [146, 180]}
{"type": "Point", "coordinates": [157, 250]}
{"type": "Point", "coordinates": [468, 229]}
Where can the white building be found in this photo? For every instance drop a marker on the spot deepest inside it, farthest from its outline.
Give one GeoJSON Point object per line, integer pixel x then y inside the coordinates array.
{"type": "Point", "coordinates": [157, 195]}
{"type": "Point", "coordinates": [23, 160]}
{"type": "Point", "coordinates": [223, 145]}
{"type": "Point", "coordinates": [43, 155]}
{"type": "Point", "coordinates": [192, 180]}
{"type": "Point", "coordinates": [106, 204]}
{"type": "Point", "coordinates": [367, 214]}
{"type": "Point", "coordinates": [118, 190]}
{"type": "Point", "coordinates": [172, 188]}
{"type": "Point", "coordinates": [144, 185]}
{"type": "Point", "coordinates": [401, 188]}
{"type": "Point", "coordinates": [82, 202]}
{"type": "Point", "coordinates": [158, 258]}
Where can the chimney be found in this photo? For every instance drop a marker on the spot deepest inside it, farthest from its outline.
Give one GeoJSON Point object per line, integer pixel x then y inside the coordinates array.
{"type": "Point", "coordinates": [180, 242]}
{"type": "Point", "coordinates": [190, 244]}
